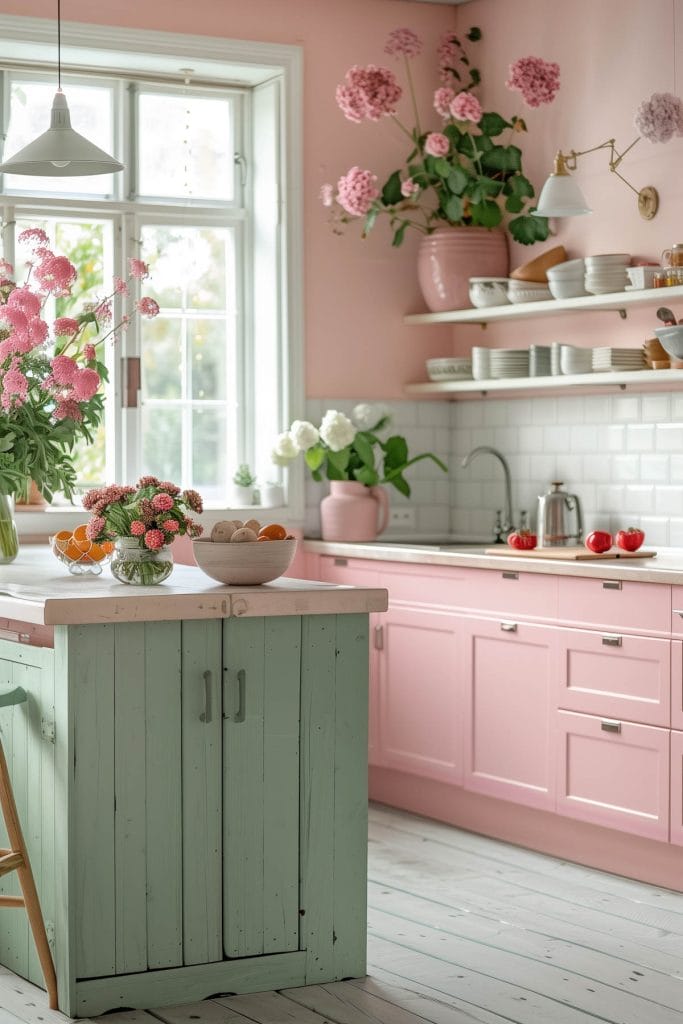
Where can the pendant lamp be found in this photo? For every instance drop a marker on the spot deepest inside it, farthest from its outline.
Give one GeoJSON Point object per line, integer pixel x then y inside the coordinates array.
{"type": "Point", "coordinates": [60, 151]}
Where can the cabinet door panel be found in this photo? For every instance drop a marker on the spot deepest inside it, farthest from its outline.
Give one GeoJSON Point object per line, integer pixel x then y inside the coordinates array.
{"type": "Point", "coordinates": [614, 773]}
{"type": "Point", "coordinates": [261, 680]}
{"type": "Point", "coordinates": [419, 714]}
{"type": "Point", "coordinates": [618, 604]}
{"type": "Point", "coordinates": [508, 671]}
{"type": "Point", "coordinates": [677, 787]}
{"type": "Point", "coordinates": [615, 675]}
{"type": "Point", "coordinates": [677, 684]}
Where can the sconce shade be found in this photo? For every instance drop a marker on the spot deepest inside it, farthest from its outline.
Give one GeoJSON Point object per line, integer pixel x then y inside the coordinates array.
{"type": "Point", "coordinates": [561, 197]}
{"type": "Point", "coordinates": [61, 151]}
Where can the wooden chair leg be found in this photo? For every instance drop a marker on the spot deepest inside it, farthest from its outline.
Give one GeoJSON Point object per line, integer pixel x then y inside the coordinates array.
{"type": "Point", "coordinates": [27, 883]}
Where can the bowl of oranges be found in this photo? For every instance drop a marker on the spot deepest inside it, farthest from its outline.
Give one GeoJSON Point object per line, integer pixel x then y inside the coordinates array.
{"type": "Point", "coordinates": [245, 553]}
{"type": "Point", "coordinates": [81, 556]}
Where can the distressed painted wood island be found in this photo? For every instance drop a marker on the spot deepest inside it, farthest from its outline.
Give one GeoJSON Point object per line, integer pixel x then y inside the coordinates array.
{"type": "Point", "coordinates": [191, 773]}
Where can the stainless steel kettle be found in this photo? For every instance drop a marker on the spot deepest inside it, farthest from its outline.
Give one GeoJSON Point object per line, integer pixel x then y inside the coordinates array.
{"type": "Point", "coordinates": [553, 527]}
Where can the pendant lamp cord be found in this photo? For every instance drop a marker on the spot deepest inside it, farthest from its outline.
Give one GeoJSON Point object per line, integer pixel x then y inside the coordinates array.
{"type": "Point", "coordinates": [59, 45]}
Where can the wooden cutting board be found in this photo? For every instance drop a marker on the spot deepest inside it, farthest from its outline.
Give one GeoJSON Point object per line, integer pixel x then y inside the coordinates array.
{"type": "Point", "coordinates": [570, 554]}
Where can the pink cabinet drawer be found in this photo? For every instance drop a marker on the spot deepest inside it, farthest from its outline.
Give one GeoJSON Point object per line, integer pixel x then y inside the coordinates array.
{"type": "Point", "coordinates": [677, 610]}
{"type": "Point", "coordinates": [619, 604]}
{"type": "Point", "coordinates": [354, 572]}
{"type": "Point", "coordinates": [613, 773]}
{"type": "Point", "coordinates": [677, 684]}
{"type": "Point", "coordinates": [615, 675]}
{"type": "Point", "coordinates": [677, 788]}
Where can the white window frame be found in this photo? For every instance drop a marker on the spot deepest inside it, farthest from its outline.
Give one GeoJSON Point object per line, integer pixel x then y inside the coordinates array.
{"type": "Point", "coordinates": [30, 43]}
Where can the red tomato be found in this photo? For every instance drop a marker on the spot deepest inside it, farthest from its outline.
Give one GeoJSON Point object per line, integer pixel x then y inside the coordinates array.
{"type": "Point", "coordinates": [599, 541]}
{"type": "Point", "coordinates": [631, 539]}
{"type": "Point", "coordinates": [523, 540]}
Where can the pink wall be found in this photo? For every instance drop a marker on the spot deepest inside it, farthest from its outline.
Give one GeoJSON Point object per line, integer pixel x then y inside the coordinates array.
{"type": "Point", "coordinates": [612, 54]}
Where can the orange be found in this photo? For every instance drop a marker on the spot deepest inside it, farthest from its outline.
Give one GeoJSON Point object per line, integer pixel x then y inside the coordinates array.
{"type": "Point", "coordinates": [96, 553]}
{"type": "Point", "coordinates": [263, 538]}
{"type": "Point", "coordinates": [273, 532]}
{"type": "Point", "coordinates": [107, 546]}
{"type": "Point", "coordinates": [73, 551]}
{"type": "Point", "coordinates": [61, 540]}
{"type": "Point", "coordinates": [79, 532]}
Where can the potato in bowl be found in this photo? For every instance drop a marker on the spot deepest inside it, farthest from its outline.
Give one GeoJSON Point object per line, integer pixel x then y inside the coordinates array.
{"type": "Point", "coordinates": [244, 554]}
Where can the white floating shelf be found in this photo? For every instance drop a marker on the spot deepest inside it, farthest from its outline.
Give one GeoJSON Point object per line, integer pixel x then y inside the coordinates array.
{"type": "Point", "coordinates": [617, 301]}
{"type": "Point", "coordinates": [638, 380]}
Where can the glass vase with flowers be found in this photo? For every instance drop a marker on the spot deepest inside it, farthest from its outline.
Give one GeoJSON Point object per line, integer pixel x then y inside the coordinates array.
{"type": "Point", "coordinates": [51, 374]}
{"type": "Point", "coordinates": [142, 521]}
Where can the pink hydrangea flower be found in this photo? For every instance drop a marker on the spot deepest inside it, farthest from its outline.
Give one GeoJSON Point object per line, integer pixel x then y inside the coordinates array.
{"type": "Point", "coordinates": [448, 53]}
{"type": "Point", "coordinates": [356, 191]}
{"type": "Point", "coordinates": [660, 118]}
{"type": "Point", "coordinates": [137, 528]}
{"type": "Point", "coordinates": [15, 317]}
{"type": "Point", "coordinates": [148, 307]}
{"type": "Point", "coordinates": [154, 539]}
{"type": "Point", "coordinates": [537, 80]}
{"type": "Point", "coordinates": [14, 384]}
{"type": "Point", "coordinates": [138, 269]}
{"type": "Point", "coordinates": [103, 311]}
{"type": "Point", "coordinates": [26, 300]}
{"type": "Point", "coordinates": [37, 331]}
{"type": "Point", "coordinates": [443, 98]}
{"type": "Point", "coordinates": [65, 325]}
{"type": "Point", "coordinates": [371, 92]}
{"type": "Point", "coordinates": [403, 42]}
{"type": "Point", "coordinates": [85, 384]}
{"type": "Point", "coordinates": [409, 188]}
{"type": "Point", "coordinates": [120, 286]}
{"type": "Point", "coordinates": [94, 527]}
{"type": "Point", "coordinates": [56, 274]}
{"type": "Point", "coordinates": [327, 194]}
{"type": "Point", "coordinates": [466, 107]}
{"type": "Point", "coordinates": [437, 144]}
{"type": "Point", "coordinates": [90, 353]}
{"type": "Point", "coordinates": [193, 500]}
{"type": "Point", "coordinates": [33, 237]}
{"type": "Point", "coordinates": [149, 481]}
{"type": "Point", "coordinates": [170, 525]}
{"type": "Point", "coordinates": [6, 268]}
{"type": "Point", "coordinates": [162, 502]}
{"type": "Point", "coordinates": [68, 409]}
{"type": "Point", "coordinates": [63, 369]}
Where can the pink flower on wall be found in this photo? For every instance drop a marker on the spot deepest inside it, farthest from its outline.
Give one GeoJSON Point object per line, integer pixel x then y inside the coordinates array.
{"type": "Point", "coordinates": [409, 188]}
{"type": "Point", "coordinates": [443, 98]}
{"type": "Point", "coordinates": [403, 42]}
{"type": "Point", "coordinates": [356, 191]}
{"type": "Point", "coordinates": [436, 144]}
{"type": "Point", "coordinates": [537, 80]}
{"type": "Point", "coordinates": [371, 92]}
{"type": "Point", "coordinates": [660, 118]}
{"type": "Point", "coordinates": [466, 107]}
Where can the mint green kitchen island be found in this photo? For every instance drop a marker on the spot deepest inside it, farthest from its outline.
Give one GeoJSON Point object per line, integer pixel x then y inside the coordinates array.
{"type": "Point", "coordinates": [190, 769]}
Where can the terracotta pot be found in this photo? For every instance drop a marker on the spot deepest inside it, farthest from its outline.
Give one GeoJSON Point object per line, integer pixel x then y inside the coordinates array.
{"type": "Point", "coordinates": [449, 257]}
{"type": "Point", "coordinates": [353, 512]}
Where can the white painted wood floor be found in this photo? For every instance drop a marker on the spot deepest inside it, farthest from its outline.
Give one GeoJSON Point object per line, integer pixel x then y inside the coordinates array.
{"type": "Point", "coordinates": [467, 930]}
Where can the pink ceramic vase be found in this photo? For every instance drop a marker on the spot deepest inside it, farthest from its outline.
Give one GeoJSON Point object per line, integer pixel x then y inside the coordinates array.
{"type": "Point", "coordinates": [353, 512]}
{"type": "Point", "coordinates": [449, 257]}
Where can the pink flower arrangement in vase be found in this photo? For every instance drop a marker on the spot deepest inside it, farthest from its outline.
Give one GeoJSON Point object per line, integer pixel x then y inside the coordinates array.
{"type": "Point", "coordinates": [460, 173]}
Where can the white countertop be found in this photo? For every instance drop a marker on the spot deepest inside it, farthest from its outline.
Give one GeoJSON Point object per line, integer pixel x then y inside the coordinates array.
{"type": "Point", "coordinates": [666, 567]}
{"type": "Point", "coordinates": [36, 588]}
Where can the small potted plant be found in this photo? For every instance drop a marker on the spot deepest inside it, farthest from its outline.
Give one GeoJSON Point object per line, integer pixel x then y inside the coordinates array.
{"type": "Point", "coordinates": [243, 485]}
{"type": "Point", "coordinates": [272, 494]}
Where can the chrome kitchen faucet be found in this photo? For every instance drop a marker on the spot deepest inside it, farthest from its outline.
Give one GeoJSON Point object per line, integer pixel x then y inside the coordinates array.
{"type": "Point", "coordinates": [507, 526]}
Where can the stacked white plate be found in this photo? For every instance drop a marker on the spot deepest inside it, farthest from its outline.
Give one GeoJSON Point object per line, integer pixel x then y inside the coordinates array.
{"type": "Point", "coordinates": [607, 273]}
{"type": "Point", "coordinates": [509, 362]}
{"type": "Point", "coordinates": [449, 368]}
{"type": "Point", "coordinates": [576, 360]}
{"type": "Point", "coordinates": [481, 363]}
{"type": "Point", "coordinates": [566, 280]}
{"type": "Point", "coordinates": [616, 359]}
{"type": "Point", "coordinates": [539, 361]}
{"type": "Point", "coordinates": [527, 291]}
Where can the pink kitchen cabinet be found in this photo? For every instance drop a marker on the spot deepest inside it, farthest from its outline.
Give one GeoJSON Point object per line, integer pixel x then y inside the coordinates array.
{"type": "Point", "coordinates": [419, 712]}
{"type": "Point", "coordinates": [614, 773]}
{"type": "Point", "coordinates": [615, 675]}
{"type": "Point", "coordinates": [677, 787]}
{"type": "Point", "coordinates": [615, 604]}
{"type": "Point", "coordinates": [676, 684]}
{"type": "Point", "coordinates": [508, 706]}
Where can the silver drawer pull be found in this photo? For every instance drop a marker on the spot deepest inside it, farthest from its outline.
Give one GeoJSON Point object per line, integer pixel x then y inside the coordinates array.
{"type": "Point", "coordinates": [509, 627]}
{"type": "Point", "coordinates": [379, 638]}
{"type": "Point", "coordinates": [206, 713]}
{"type": "Point", "coordinates": [608, 725]}
{"type": "Point", "coordinates": [611, 584]}
{"type": "Point", "coordinates": [341, 561]}
{"type": "Point", "coordinates": [510, 575]}
{"type": "Point", "coordinates": [611, 640]}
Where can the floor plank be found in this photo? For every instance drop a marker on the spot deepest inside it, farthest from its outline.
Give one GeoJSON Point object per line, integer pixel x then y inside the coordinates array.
{"type": "Point", "coordinates": [417, 999]}
{"type": "Point", "coordinates": [346, 1003]}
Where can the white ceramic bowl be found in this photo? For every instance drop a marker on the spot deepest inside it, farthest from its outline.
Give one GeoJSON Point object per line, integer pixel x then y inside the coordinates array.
{"type": "Point", "coordinates": [570, 268]}
{"type": "Point", "coordinates": [671, 339]}
{"type": "Point", "coordinates": [535, 294]}
{"type": "Point", "coordinates": [576, 360]}
{"type": "Point", "coordinates": [566, 287]}
{"type": "Point", "coordinates": [243, 564]}
{"type": "Point", "coordinates": [610, 259]}
{"type": "Point", "coordinates": [488, 291]}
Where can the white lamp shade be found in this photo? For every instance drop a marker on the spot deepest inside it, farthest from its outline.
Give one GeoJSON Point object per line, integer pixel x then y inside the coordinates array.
{"type": "Point", "coordinates": [61, 151]}
{"type": "Point", "coordinates": [561, 197]}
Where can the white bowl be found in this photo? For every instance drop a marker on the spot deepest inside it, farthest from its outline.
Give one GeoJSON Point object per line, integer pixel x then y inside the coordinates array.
{"type": "Point", "coordinates": [570, 268]}
{"type": "Point", "coordinates": [671, 339]}
{"type": "Point", "coordinates": [243, 564]}
{"type": "Point", "coordinates": [567, 287]}
{"type": "Point", "coordinates": [575, 360]}
{"type": "Point", "coordinates": [488, 291]}
{"type": "Point", "coordinates": [613, 259]}
{"type": "Point", "coordinates": [535, 294]}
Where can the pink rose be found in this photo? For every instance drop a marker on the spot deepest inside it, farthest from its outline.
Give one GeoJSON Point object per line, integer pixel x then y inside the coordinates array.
{"type": "Point", "coordinates": [356, 191]}
{"type": "Point", "coordinates": [466, 107]}
{"type": "Point", "coordinates": [436, 144]}
{"type": "Point", "coordinates": [409, 188]}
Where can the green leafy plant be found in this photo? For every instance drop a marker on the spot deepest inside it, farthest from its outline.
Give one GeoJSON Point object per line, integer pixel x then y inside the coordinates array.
{"type": "Point", "coordinates": [466, 173]}
{"type": "Point", "coordinates": [243, 476]}
{"type": "Point", "coordinates": [350, 449]}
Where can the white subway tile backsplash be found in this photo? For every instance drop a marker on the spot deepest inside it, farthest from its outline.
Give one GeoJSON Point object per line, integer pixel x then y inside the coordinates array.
{"type": "Point", "coordinates": [616, 438]}
{"type": "Point", "coordinates": [624, 468]}
{"type": "Point", "coordinates": [655, 469]}
{"type": "Point", "coordinates": [676, 533]}
{"type": "Point", "coordinates": [655, 408]}
{"type": "Point", "coordinates": [640, 437]}
{"type": "Point", "coordinates": [529, 439]}
{"type": "Point", "coordinates": [555, 439]}
{"type": "Point", "coordinates": [625, 409]}
{"type": "Point", "coordinates": [656, 529]}
{"type": "Point", "coordinates": [582, 439]}
{"type": "Point", "coordinates": [641, 498]}
{"type": "Point", "coordinates": [669, 437]}
{"type": "Point", "coordinates": [669, 501]}
{"type": "Point", "coordinates": [610, 496]}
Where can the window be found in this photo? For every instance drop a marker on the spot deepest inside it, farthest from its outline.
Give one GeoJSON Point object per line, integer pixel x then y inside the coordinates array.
{"type": "Point", "coordinates": [201, 201]}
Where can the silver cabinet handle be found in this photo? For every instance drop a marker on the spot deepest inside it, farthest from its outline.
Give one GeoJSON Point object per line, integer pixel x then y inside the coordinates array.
{"type": "Point", "coordinates": [341, 561]}
{"type": "Point", "coordinates": [611, 640]}
{"type": "Point", "coordinates": [379, 638]}
{"type": "Point", "coordinates": [206, 715]}
{"type": "Point", "coordinates": [611, 584]}
{"type": "Point", "coordinates": [509, 627]}
{"type": "Point", "coordinates": [608, 725]}
{"type": "Point", "coordinates": [241, 711]}
{"type": "Point", "coordinates": [510, 575]}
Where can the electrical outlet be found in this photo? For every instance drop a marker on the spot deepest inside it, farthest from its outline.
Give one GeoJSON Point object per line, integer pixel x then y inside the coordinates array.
{"type": "Point", "coordinates": [402, 517]}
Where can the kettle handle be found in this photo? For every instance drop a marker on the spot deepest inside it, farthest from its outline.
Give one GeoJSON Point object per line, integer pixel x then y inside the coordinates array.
{"type": "Point", "coordinates": [574, 505]}
{"type": "Point", "coordinates": [381, 497]}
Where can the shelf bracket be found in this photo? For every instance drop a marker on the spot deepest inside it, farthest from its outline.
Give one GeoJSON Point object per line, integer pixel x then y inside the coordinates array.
{"type": "Point", "coordinates": [623, 313]}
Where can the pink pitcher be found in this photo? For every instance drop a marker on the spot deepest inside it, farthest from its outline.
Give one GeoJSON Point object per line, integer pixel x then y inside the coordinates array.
{"type": "Point", "coordinates": [353, 512]}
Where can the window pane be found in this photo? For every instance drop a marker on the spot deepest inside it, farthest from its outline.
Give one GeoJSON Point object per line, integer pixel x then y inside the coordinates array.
{"type": "Point", "coordinates": [186, 146]}
{"type": "Point", "coordinates": [190, 268]}
{"type": "Point", "coordinates": [207, 354]}
{"type": "Point", "coordinates": [161, 449]}
{"type": "Point", "coordinates": [162, 360]}
{"type": "Point", "coordinates": [91, 109]}
{"type": "Point", "coordinates": [209, 451]}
